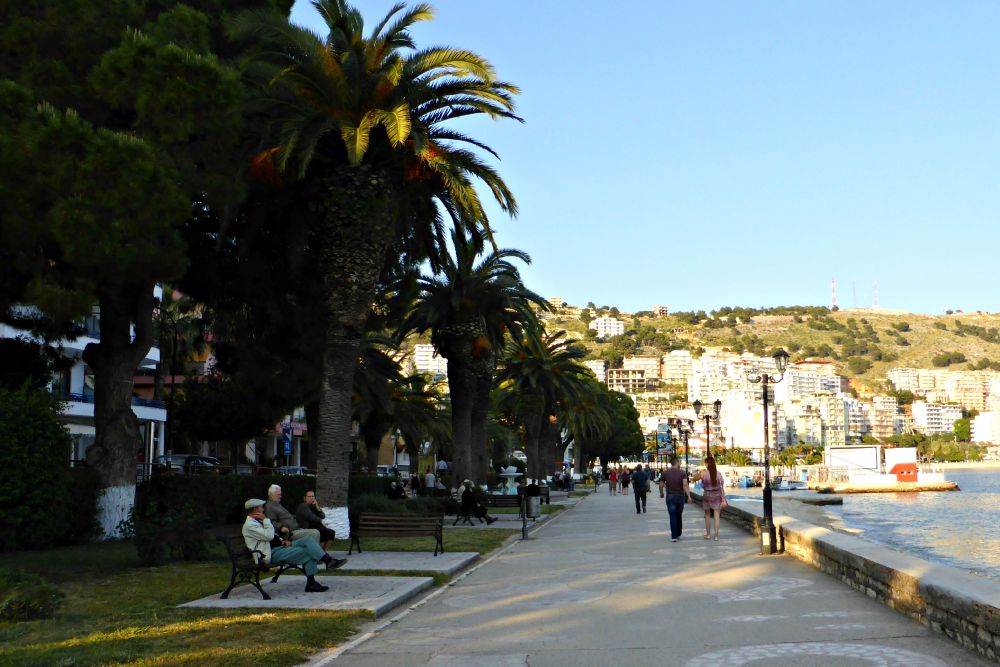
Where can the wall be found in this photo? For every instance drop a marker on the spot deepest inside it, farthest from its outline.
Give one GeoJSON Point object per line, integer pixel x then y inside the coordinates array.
{"type": "Point", "coordinates": [963, 606]}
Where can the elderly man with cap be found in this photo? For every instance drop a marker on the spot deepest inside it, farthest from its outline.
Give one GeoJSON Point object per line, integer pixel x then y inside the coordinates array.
{"type": "Point", "coordinates": [284, 523]}
{"type": "Point", "coordinates": [259, 535]}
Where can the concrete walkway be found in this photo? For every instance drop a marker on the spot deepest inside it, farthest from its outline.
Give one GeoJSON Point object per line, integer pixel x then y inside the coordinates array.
{"type": "Point", "coordinates": [600, 585]}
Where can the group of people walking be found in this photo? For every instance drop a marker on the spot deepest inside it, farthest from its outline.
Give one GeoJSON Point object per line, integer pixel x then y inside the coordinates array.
{"type": "Point", "coordinates": [675, 488]}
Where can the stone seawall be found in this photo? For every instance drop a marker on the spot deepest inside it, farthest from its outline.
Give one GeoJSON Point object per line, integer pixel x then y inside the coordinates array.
{"type": "Point", "coordinates": [963, 606]}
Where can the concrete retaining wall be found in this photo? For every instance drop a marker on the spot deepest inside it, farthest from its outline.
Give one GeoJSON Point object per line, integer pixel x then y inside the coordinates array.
{"type": "Point", "coordinates": [963, 606]}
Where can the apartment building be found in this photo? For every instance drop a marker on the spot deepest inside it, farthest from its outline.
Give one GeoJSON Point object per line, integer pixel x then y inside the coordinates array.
{"type": "Point", "coordinates": [75, 386]}
{"type": "Point", "coordinates": [651, 364]}
{"type": "Point", "coordinates": [986, 428]}
{"type": "Point", "coordinates": [676, 367]}
{"type": "Point", "coordinates": [599, 368]}
{"type": "Point", "coordinates": [903, 379]}
{"type": "Point", "coordinates": [882, 417]}
{"type": "Point", "coordinates": [555, 301]}
{"type": "Point", "coordinates": [606, 327]}
{"type": "Point", "coordinates": [660, 311]}
{"type": "Point", "coordinates": [427, 360]}
{"type": "Point", "coordinates": [629, 381]}
{"type": "Point", "coordinates": [935, 418]}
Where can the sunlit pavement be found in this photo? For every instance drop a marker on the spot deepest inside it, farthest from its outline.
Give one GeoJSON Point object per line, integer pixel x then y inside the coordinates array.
{"type": "Point", "coordinates": [601, 585]}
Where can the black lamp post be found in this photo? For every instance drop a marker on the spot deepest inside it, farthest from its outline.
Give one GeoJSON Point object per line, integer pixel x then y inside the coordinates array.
{"type": "Point", "coordinates": [683, 429]}
{"type": "Point", "coordinates": [709, 416]}
{"type": "Point", "coordinates": [781, 361]}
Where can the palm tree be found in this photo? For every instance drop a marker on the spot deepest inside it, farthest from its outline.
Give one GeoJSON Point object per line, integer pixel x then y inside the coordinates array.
{"type": "Point", "coordinates": [540, 373]}
{"type": "Point", "coordinates": [469, 308]}
{"type": "Point", "coordinates": [358, 121]}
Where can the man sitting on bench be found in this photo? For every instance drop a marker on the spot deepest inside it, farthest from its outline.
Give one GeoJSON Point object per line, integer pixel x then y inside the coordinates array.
{"type": "Point", "coordinates": [471, 507]}
{"type": "Point", "coordinates": [258, 533]}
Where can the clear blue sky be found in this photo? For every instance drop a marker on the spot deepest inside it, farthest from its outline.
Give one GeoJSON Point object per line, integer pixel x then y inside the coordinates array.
{"type": "Point", "coordinates": [707, 154]}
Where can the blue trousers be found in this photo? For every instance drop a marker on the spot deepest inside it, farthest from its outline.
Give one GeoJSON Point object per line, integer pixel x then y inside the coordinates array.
{"type": "Point", "coordinates": [305, 553]}
{"type": "Point", "coordinates": [675, 507]}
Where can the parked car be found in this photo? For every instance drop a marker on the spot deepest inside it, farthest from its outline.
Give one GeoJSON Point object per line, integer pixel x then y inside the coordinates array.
{"type": "Point", "coordinates": [190, 463]}
{"type": "Point", "coordinates": [387, 471]}
{"type": "Point", "coordinates": [293, 470]}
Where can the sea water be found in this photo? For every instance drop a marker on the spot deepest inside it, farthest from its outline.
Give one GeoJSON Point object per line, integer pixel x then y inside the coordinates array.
{"type": "Point", "coordinates": [960, 529]}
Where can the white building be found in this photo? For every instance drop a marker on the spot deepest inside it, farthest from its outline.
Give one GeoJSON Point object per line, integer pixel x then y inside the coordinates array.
{"type": "Point", "coordinates": [427, 360]}
{"type": "Point", "coordinates": [660, 311]}
{"type": "Point", "coordinates": [607, 327]}
{"type": "Point", "coordinates": [599, 368]}
{"type": "Point", "coordinates": [649, 364]}
{"type": "Point", "coordinates": [76, 387]}
{"type": "Point", "coordinates": [934, 418]}
{"type": "Point", "coordinates": [676, 367]}
{"type": "Point", "coordinates": [986, 428]}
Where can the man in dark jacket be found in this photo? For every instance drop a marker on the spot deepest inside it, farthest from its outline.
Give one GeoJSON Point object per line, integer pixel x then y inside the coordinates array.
{"type": "Point", "coordinates": [309, 515]}
{"type": "Point", "coordinates": [640, 484]}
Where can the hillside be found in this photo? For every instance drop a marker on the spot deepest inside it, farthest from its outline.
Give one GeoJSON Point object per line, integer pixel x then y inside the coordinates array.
{"type": "Point", "coordinates": [864, 344]}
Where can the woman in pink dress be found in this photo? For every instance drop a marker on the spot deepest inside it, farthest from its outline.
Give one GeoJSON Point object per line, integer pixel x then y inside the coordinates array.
{"type": "Point", "coordinates": [714, 496]}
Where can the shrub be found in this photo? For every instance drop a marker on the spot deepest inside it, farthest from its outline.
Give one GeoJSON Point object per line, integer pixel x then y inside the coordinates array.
{"type": "Point", "coordinates": [361, 485]}
{"type": "Point", "coordinates": [35, 486]}
{"type": "Point", "coordinates": [165, 530]}
{"type": "Point", "coordinates": [25, 596]}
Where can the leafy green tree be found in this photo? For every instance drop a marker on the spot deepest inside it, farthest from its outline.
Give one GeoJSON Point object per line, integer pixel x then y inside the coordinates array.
{"type": "Point", "coordinates": [963, 429]}
{"type": "Point", "coordinates": [358, 149]}
{"type": "Point", "coordinates": [141, 100]}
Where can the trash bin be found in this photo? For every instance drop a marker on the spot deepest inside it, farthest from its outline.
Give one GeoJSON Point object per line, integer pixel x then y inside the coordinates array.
{"type": "Point", "coordinates": [533, 506]}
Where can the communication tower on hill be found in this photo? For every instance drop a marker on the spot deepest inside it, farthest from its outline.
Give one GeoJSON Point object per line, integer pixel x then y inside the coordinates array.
{"type": "Point", "coordinates": [833, 293]}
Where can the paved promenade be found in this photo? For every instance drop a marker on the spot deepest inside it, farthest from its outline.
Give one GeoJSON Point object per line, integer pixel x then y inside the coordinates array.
{"type": "Point", "coordinates": [600, 585]}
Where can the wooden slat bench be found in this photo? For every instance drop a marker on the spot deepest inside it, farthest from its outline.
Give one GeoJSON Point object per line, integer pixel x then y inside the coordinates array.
{"type": "Point", "coordinates": [371, 524]}
{"type": "Point", "coordinates": [494, 500]}
{"type": "Point", "coordinates": [246, 568]}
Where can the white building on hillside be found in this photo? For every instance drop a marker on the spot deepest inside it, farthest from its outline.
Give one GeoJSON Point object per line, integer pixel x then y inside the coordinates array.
{"type": "Point", "coordinates": [986, 428]}
{"type": "Point", "coordinates": [427, 360]}
{"type": "Point", "coordinates": [934, 418]}
{"type": "Point", "coordinates": [606, 327]}
{"type": "Point", "coordinates": [650, 364]}
{"type": "Point", "coordinates": [599, 367]}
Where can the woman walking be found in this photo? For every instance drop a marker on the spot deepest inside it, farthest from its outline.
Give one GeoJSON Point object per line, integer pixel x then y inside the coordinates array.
{"type": "Point", "coordinates": [613, 481]}
{"type": "Point", "coordinates": [626, 478]}
{"type": "Point", "coordinates": [714, 496]}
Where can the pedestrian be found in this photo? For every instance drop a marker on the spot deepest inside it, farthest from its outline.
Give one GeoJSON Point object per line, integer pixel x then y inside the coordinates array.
{"type": "Point", "coordinates": [713, 496]}
{"type": "Point", "coordinates": [640, 485]}
{"type": "Point", "coordinates": [674, 482]}
{"type": "Point", "coordinates": [613, 481]}
{"type": "Point", "coordinates": [625, 479]}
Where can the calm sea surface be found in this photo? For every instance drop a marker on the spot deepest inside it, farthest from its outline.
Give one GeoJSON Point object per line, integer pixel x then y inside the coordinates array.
{"type": "Point", "coordinates": [960, 528]}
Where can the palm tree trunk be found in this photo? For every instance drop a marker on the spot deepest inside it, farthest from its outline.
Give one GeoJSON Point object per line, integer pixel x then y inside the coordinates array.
{"type": "Point", "coordinates": [353, 227]}
{"type": "Point", "coordinates": [114, 361]}
{"type": "Point", "coordinates": [479, 432]}
{"type": "Point", "coordinates": [333, 441]}
{"type": "Point", "coordinates": [461, 387]}
{"type": "Point", "coordinates": [533, 433]}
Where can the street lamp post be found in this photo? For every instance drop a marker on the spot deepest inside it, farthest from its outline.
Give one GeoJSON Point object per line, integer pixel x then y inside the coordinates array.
{"type": "Point", "coordinates": [709, 416]}
{"type": "Point", "coordinates": [683, 429]}
{"type": "Point", "coordinates": [781, 361]}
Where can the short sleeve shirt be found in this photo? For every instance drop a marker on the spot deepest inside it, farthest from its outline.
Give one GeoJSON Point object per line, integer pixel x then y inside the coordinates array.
{"type": "Point", "coordinates": [674, 479]}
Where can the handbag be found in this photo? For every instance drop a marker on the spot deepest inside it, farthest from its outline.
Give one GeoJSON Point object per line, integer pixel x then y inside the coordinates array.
{"type": "Point", "coordinates": [725, 503]}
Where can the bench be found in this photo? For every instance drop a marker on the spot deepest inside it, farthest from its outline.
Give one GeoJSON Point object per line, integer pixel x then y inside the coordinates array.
{"type": "Point", "coordinates": [247, 567]}
{"type": "Point", "coordinates": [494, 500]}
{"type": "Point", "coordinates": [371, 524]}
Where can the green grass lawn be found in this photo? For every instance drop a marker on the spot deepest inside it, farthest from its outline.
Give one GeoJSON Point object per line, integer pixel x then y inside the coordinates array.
{"type": "Point", "coordinates": [116, 612]}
